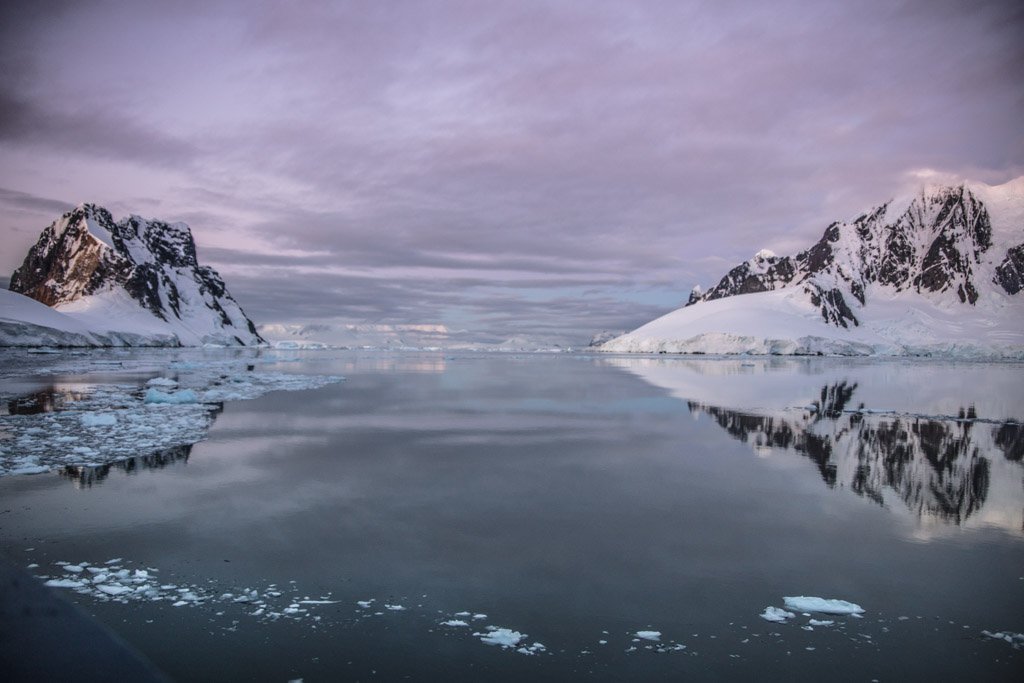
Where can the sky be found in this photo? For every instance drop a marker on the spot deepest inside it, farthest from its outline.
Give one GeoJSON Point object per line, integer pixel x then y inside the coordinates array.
{"type": "Point", "coordinates": [544, 170]}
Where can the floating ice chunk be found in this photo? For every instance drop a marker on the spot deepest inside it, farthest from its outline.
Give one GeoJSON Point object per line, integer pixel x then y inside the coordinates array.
{"type": "Point", "coordinates": [821, 622]}
{"type": "Point", "coordinates": [318, 602]}
{"type": "Point", "coordinates": [462, 614]}
{"type": "Point", "coordinates": [177, 398]}
{"type": "Point", "coordinates": [478, 616]}
{"type": "Point", "coordinates": [365, 604]}
{"type": "Point", "coordinates": [500, 636]}
{"type": "Point", "coordinates": [803, 603]}
{"type": "Point", "coordinates": [1015, 639]}
{"type": "Point", "coordinates": [776, 614]}
{"type": "Point", "coordinates": [162, 382]}
{"type": "Point", "coordinates": [395, 608]}
{"type": "Point", "coordinates": [454, 622]}
{"type": "Point", "coordinates": [113, 589]}
{"type": "Point", "coordinates": [98, 419]}
{"type": "Point", "coordinates": [533, 649]}
{"type": "Point", "coordinates": [74, 568]}
{"type": "Point", "coordinates": [649, 635]}
{"type": "Point", "coordinates": [64, 583]}
{"type": "Point", "coordinates": [29, 469]}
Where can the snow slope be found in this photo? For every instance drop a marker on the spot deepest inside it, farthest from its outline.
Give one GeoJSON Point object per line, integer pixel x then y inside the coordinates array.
{"type": "Point", "coordinates": [934, 274]}
{"type": "Point", "coordinates": [26, 322]}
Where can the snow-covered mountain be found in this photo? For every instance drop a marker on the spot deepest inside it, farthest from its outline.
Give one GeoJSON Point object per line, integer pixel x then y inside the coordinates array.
{"type": "Point", "coordinates": [938, 273]}
{"type": "Point", "coordinates": [135, 281]}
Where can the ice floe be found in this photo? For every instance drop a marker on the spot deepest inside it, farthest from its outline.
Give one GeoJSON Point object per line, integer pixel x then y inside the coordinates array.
{"type": "Point", "coordinates": [178, 397]}
{"type": "Point", "coordinates": [802, 603]}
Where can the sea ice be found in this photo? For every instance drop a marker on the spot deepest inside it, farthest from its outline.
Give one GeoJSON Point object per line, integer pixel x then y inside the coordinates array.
{"type": "Point", "coordinates": [803, 603]}
{"type": "Point", "coordinates": [776, 614]}
{"type": "Point", "coordinates": [500, 636]}
{"type": "Point", "coordinates": [1014, 639]}
{"type": "Point", "coordinates": [454, 622]}
{"type": "Point", "coordinates": [98, 420]}
{"type": "Point", "coordinates": [177, 398]}
{"type": "Point", "coordinates": [649, 635]}
{"type": "Point", "coordinates": [157, 419]}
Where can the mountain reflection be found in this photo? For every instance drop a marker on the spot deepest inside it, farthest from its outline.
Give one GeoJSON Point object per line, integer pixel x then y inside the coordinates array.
{"type": "Point", "coordinates": [85, 476]}
{"type": "Point", "coordinates": [941, 468]}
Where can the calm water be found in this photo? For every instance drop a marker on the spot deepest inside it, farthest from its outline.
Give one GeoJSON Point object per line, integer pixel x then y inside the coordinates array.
{"type": "Point", "coordinates": [574, 499]}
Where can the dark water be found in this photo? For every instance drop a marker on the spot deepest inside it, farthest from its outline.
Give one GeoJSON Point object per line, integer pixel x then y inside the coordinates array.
{"type": "Point", "coordinates": [573, 499]}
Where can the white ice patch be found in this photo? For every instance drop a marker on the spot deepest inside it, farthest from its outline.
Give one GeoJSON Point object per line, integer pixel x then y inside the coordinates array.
{"type": "Point", "coordinates": [776, 614]}
{"type": "Point", "coordinates": [803, 603]}
{"type": "Point", "coordinates": [649, 635]}
{"type": "Point", "coordinates": [454, 622]}
{"type": "Point", "coordinates": [821, 622]}
{"type": "Point", "coordinates": [99, 419]}
{"type": "Point", "coordinates": [500, 636]}
{"type": "Point", "coordinates": [177, 398]}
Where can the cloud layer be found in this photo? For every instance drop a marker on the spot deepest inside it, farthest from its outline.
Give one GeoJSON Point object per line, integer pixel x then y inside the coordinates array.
{"type": "Point", "coordinates": [506, 167]}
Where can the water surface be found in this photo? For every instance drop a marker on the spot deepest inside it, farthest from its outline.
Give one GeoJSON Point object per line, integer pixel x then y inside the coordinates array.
{"type": "Point", "coordinates": [572, 499]}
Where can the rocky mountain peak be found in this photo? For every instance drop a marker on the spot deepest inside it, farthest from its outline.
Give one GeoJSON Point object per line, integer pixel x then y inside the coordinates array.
{"type": "Point", "coordinates": [85, 253]}
{"type": "Point", "coordinates": [939, 243]}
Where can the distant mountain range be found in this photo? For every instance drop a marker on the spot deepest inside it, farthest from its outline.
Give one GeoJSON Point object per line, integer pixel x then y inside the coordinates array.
{"type": "Point", "coordinates": [939, 273]}
{"type": "Point", "coordinates": [91, 281]}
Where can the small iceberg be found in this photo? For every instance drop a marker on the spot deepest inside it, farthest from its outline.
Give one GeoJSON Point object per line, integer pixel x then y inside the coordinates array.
{"type": "Point", "coordinates": [802, 603]}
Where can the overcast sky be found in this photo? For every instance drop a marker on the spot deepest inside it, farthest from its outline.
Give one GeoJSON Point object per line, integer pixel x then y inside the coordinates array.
{"type": "Point", "coordinates": [547, 169]}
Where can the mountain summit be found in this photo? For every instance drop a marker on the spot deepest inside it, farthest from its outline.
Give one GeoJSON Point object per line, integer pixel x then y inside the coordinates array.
{"type": "Point", "coordinates": [936, 273]}
{"type": "Point", "coordinates": [138, 276]}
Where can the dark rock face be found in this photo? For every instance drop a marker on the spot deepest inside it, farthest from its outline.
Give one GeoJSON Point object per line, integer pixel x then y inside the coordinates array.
{"type": "Point", "coordinates": [1010, 273]}
{"type": "Point", "coordinates": [935, 246]}
{"type": "Point", "coordinates": [85, 253]}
